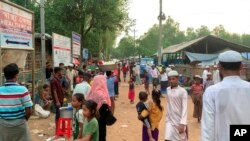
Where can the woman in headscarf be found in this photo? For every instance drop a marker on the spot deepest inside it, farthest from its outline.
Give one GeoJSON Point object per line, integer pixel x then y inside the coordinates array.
{"type": "Point", "coordinates": [99, 94]}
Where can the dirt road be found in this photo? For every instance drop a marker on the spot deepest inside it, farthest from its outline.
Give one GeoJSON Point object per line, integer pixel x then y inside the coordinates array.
{"type": "Point", "coordinates": [127, 127]}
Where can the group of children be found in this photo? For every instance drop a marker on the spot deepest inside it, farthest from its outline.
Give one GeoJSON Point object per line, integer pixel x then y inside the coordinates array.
{"type": "Point", "coordinates": [85, 124]}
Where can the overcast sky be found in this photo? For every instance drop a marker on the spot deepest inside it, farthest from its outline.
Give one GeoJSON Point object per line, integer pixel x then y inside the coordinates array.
{"type": "Point", "coordinates": [234, 15]}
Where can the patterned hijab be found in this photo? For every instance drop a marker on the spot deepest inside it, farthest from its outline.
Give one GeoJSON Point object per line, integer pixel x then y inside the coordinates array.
{"type": "Point", "coordinates": [99, 91]}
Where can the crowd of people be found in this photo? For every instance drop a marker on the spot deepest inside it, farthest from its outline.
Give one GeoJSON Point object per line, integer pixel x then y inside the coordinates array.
{"type": "Point", "coordinates": [220, 98]}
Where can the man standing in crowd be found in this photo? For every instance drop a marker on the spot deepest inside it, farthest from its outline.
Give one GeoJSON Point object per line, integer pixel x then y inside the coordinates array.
{"type": "Point", "coordinates": [15, 107]}
{"type": "Point", "coordinates": [71, 74]}
{"type": "Point", "coordinates": [111, 89]}
{"type": "Point", "coordinates": [83, 87]}
{"type": "Point", "coordinates": [227, 102]}
{"type": "Point", "coordinates": [48, 70]}
{"type": "Point", "coordinates": [204, 74]}
{"type": "Point", "coordinates": [155, 75]}
{"type": "Point", "coordinates": [177, 102]}
{"type": "Point", "coordinates": [216, 75]}
{"type": "Point", "coordinates": [57, 91]}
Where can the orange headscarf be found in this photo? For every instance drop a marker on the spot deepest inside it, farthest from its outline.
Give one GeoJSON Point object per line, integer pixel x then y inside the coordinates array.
{"type": "Point", "coordinates": [99, 91]}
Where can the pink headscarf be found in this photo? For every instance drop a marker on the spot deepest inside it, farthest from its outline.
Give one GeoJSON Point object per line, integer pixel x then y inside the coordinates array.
{"type": "Point", "coordinates": [99, 91]}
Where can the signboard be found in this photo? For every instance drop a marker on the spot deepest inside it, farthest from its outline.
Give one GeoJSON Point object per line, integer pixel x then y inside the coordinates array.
{"type": "Point", "coordinates": [14, 56]}
{"type": "Point", "coordinates": [61, 49]}
{"type": "Point", "coordinates": [16, 27]}
{"type": "Point", "coordinates": [85, 53]}
{"type": "Point", "coordinates": [76, 44]}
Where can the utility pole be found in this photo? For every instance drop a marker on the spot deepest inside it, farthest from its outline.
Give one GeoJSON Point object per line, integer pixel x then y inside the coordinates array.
{"type": "Point", "coordinates": [161, 17]}
{"type": "Point", "coordinates": [43, 41]}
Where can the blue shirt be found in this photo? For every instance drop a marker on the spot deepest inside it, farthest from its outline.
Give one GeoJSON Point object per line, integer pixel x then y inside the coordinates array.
{"type": "Point", "coordinates": [13, 101]}
{"type": "Point", "coordinates": [111, 86]}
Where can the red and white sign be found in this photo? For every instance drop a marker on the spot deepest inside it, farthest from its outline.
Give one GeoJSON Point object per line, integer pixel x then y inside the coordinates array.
{"type": "Point", "coordinates": [16, 27]}
{"type": "Point", "coordinates": [61, 49]}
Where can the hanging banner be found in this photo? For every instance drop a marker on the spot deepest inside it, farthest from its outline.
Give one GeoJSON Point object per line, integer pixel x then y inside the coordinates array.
{"type": "Point", "coordinates": [85, 53]}
{"type": "Point", "coordinates": [61, 49]}
{"type": "Point", "coordinates": [16, 27]}
{"type": "Point", "coordinates": [76, 44]}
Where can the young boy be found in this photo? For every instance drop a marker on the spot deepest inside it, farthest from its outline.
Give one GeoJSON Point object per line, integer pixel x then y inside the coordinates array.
{"type": "Point", "coordinates": [143, 105]}
{"type": "Point", "coordinates": [177, 99]}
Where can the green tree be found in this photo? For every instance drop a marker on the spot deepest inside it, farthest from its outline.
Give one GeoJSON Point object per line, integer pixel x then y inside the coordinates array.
{"type": "Point", "coordinates": [126, 48]}
{"type": "Point", "coordinates": [202, 31]}
{"type": "Point", "coordinates": [190, 34]}
{"type": "Point", "coordinates": [98, 21]}
{"type": "Point", "coordinates": [245, 39]}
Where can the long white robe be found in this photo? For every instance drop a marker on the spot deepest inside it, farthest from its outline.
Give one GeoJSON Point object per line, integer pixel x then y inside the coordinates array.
{"type": "Point", "coordinates": [224, 104]}
{"type": "Point", "coordinates": [176, 113]}
{"type": "Point", "coordinates": [204, 76]}
{"type": "Point", "coordinates": [216, 76]}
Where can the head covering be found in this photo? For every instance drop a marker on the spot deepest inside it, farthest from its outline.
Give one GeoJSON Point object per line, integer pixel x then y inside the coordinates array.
{"type": "Point", "coordinates": [230, 57]}
{"type": "Point", "coordinates": [173, 73]}
{"type": "Point", "coordinates": [71, 65]}
{"type": "Point", "coordinates": [99, 91]}
{"type": "Point", "coordinates": [207, 67]}
{"type": "Point", "coordinates": [209, 73]}
{"type": "Point", "coordinates": [197, 76]}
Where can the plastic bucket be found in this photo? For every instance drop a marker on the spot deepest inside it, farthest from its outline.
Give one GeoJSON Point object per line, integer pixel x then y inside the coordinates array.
{"type": "Point", "coordinates": [66, 112]}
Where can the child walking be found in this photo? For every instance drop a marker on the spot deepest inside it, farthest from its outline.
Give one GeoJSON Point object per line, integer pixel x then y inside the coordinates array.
{"type": "Point", "coordinates": [131, 92]}
{"type": "Point", "coordinates": [78, 118]}
{"type": "Point", "coordinates": [90, 128]}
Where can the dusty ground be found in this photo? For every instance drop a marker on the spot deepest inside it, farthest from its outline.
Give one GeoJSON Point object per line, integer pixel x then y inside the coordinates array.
{"type": "Point", "coordinates": [127, 127]}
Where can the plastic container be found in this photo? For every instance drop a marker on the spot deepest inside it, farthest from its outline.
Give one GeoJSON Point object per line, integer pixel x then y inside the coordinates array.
{"type": "Point", "coordinates": [66, 112]}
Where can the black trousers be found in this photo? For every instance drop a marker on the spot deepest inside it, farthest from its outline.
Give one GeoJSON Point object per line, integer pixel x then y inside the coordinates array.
{"type": "Point", "coordinates": [116, 88]}
{"type": "Point", "coordinates": [103, 111]}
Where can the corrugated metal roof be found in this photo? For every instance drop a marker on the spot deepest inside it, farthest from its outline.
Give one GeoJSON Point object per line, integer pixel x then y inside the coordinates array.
{"type": "Point", "coordinates": [207, 44]}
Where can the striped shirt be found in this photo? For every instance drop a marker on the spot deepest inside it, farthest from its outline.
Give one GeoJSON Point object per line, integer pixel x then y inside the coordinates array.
{"type": "Point", "coordinates": [13, 101]}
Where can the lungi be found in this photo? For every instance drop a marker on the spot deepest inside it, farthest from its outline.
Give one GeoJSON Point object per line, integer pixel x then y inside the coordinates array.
{"type": "Point", "coordinates": [197, 99]}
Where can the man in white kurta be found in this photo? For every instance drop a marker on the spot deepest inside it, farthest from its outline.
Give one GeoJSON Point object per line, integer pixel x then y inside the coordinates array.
{"type": "Point", "coordinates": [216, 75]}
{"type": "Point", "coordinates": [176, 110]}
{"type": "Point", "coordinates": [204, 74]}
{"type": "Point", "coordinates": [226, 102]}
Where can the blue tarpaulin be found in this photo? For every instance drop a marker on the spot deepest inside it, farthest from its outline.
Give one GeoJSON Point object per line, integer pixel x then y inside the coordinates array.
{"type": "Point", "coordinates": [203, 59]}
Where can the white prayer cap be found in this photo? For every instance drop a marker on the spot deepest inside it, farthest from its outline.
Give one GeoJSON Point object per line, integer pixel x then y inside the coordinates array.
{"type": "Point", "coordinates": [230, 56]}
{"type": "Point", "coordinates": [209, 73]}
{"type": "Point", "coordinates": [71, 65]}
{"type": "Point", "coordinates": [207, 67]}
{"type": "Point", "coordinates": [197, 76]}
{"type": "Point", "coordinates": [173, 73]}
{"type": "Point", "coordinates": [215, 66]}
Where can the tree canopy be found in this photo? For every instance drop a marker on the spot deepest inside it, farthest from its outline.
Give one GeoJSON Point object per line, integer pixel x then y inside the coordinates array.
{"type": "Point", "coordinates": [171, 34]}
{"type": "Point", "coordinates": [98, 21]}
